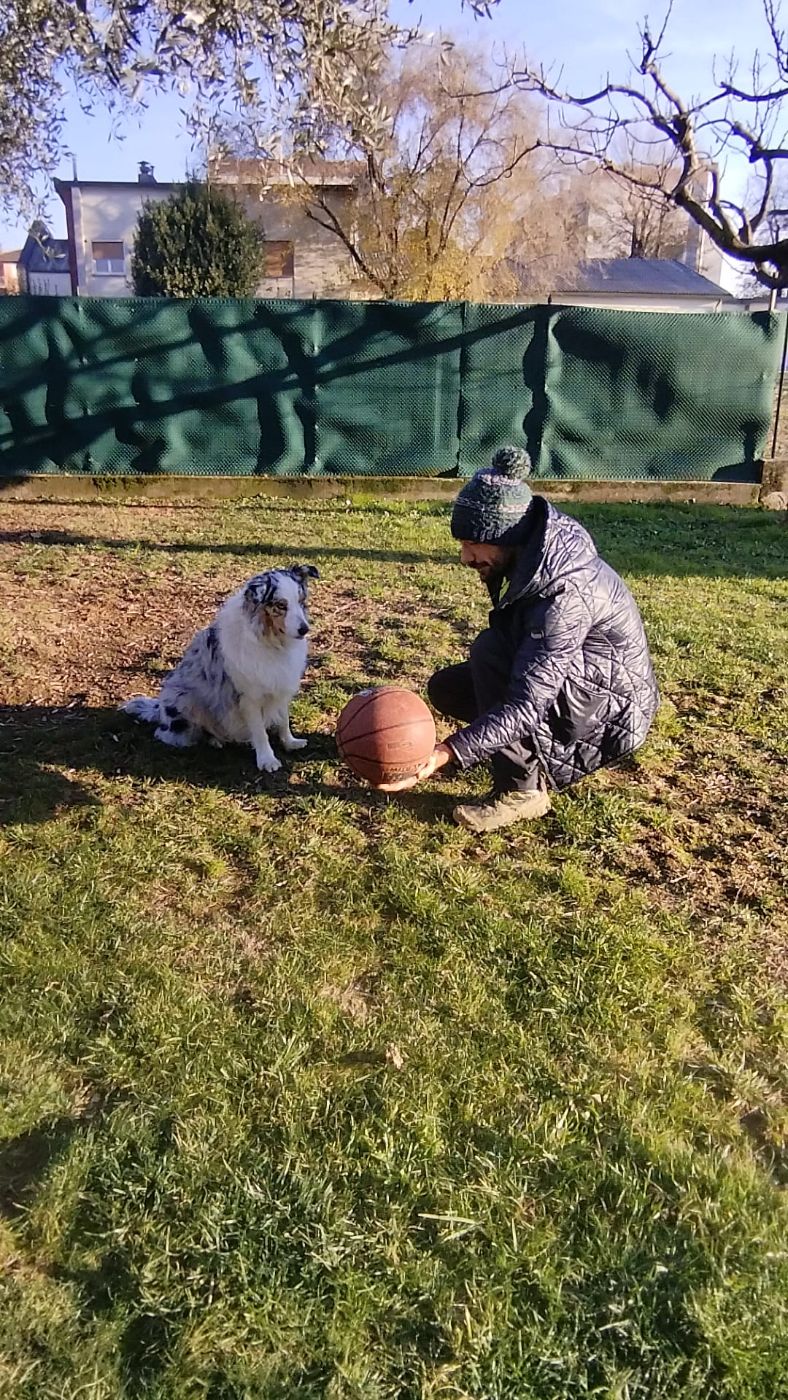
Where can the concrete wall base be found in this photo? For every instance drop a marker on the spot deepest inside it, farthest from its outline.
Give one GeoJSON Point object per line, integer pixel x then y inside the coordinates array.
{"type": "Point", "coordinates": [208, 490]}
{"type": "Point", "coordinates": [774, 476]}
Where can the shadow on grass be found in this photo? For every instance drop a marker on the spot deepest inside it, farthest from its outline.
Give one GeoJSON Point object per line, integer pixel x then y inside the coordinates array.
{"type": "Point", "coordinates": [112, 1286]}
{"type": "Point", "coordinates": [767, 1143]}
{"type": "Point", "coordinates": [26, 1162]}
{"type": "Point", "coordinates": [60, 539]}
{"type": "Point", "coordinates": [39, 742]}
{"type": "Point", "coordinates": [648, 539]}
{"type": "Point", "coordinates": [26, 1159]}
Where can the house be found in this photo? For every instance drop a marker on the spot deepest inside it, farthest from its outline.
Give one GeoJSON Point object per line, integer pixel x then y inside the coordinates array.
{"type": "Point", "coordinates": [101, 220]}
{"type": "Point", "coordinates": [9, 272]}
{"type": "Point", "coordinates": [43, 264]}
{"type": "Point", "coordinates": [300, 258]}
{"type": "Point", "coordinates": [303, 259]}
{"type": "Point", "coordinates": [625, 249]}
{"type": "Point", "coordinates": [638, 284]}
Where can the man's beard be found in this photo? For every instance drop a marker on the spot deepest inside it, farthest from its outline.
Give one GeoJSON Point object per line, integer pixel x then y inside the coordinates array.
{"type": "Point", "coordinates": [490, 573]}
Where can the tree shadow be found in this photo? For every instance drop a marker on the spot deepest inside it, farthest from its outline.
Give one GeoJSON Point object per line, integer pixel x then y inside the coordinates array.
{"type": "Point", "coordinates": [652, 539]}
{"type": "Point", "coordinates": [768, 1147]}
{"type": "Point", "coordinates": [37, 742]}
{"type": "Point", "coordinates": [60, 539]}
{"type": "Point", "coordinates": [26, 1159]}
{"type": "Point", "coordinates": [126, 389]}
{"type": "Point", "coordinates": [112, 1285]}
{"type": "Point", "coordinates": [685, 540]}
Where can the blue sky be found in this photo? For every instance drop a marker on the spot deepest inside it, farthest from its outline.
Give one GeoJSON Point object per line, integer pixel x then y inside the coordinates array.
{"type": "Point", "coordinates": [587, 37]}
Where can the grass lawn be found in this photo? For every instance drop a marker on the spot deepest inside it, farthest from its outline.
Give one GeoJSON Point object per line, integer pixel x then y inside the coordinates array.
{"type": "Point", "coordinates": [306, 1092]}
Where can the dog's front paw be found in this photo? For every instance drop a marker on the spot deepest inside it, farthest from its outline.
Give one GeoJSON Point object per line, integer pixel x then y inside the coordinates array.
{"type": "Point", "coordinates": [267, 763]}
{"type": "Point", "coordinates": [293, 744]}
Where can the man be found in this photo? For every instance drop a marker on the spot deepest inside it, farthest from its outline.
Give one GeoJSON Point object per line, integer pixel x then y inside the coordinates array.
{"type": "Point", "coordinates": [561, 681]}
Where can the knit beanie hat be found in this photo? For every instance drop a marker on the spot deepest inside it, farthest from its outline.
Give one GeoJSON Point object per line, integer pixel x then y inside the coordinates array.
{"type": "Point", "coordinates": [492, 504]}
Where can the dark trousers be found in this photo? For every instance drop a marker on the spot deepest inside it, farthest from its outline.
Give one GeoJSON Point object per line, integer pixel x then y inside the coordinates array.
{"type": "Point", "coordinates": [472, 688]}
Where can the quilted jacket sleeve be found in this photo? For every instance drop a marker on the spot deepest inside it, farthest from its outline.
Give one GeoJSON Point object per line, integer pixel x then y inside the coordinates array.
{"type": "Point", "coordinates": [540, 667]}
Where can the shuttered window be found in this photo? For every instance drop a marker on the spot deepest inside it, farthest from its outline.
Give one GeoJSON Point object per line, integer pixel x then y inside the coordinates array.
{"type": "Point", "coordinates": [278, 259]}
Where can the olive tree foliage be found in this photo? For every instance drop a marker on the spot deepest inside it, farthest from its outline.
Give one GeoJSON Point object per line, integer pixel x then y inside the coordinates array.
{"type": "Point", "coordinates": [321, 54]}
{"type": "Point", "coordinates": [687, 148]}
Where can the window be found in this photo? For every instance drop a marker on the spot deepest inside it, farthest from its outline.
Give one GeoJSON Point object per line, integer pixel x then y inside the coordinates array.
{"type": "Point", "coordinates": [108, 259]}
{"type": "Point", "coordinates": [278, 259]}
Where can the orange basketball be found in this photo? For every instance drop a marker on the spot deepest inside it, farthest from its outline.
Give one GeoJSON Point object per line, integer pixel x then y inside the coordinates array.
{"type": "Point", "coordinates": [385, 734]}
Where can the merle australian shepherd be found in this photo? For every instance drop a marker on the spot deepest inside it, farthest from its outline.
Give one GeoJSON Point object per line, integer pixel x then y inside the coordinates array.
{"type": "Point", "coordinates": [237, 678]}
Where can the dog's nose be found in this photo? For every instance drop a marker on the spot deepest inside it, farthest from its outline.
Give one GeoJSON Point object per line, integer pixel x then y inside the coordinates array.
{"type": "Point", "coordinates": [303, 630]}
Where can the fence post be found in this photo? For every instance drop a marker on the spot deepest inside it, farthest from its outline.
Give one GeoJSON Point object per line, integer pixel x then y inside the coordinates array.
{"type": "Point", "coordinates": [780, 387]}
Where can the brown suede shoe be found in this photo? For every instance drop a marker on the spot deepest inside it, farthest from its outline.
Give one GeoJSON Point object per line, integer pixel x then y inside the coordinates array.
{"type": "Point", "coordinates": [502, 810]}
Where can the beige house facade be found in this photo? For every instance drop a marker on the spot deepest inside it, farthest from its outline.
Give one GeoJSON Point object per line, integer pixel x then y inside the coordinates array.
{"type": "Point", "coordinates": [303, 259]}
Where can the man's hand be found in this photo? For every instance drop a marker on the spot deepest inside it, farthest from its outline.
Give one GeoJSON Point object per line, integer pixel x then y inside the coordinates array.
{"type": "Point", "coordinates": [440, 756]}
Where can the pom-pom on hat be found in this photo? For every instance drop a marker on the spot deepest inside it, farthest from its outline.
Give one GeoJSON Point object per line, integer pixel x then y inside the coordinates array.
{"type": "Point", "coordinates": [491, 506]}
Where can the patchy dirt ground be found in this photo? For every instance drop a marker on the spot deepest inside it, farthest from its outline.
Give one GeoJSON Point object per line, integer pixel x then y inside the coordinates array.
{"type": "Point", "coordinates": [87, 621]}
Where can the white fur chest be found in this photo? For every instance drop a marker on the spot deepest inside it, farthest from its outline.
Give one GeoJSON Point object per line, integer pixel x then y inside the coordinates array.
{"type": "Point", "coordinates": [258, 666]}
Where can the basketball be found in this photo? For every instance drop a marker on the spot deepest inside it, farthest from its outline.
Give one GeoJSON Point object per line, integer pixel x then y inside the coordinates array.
{"type": "Point", "coordinates": [385, 734]}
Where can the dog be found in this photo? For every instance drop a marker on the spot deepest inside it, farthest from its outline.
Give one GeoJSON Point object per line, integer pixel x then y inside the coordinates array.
{"type": "Point", "coordinates": [237, 678]}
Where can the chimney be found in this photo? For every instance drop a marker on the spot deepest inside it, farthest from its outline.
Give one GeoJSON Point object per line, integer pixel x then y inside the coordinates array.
{"type": "Point", "coordinates": [700, 253]}
{"type": "Point", "coordinates": [145, 175]}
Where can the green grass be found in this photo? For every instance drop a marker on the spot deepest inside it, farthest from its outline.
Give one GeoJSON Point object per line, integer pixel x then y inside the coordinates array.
{"type": "Point", "coordinates": [306, 1092]}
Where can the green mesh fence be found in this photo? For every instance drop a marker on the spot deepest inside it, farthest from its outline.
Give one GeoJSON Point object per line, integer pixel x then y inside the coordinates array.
{"type": "Point", "coordinates": [379, 388]}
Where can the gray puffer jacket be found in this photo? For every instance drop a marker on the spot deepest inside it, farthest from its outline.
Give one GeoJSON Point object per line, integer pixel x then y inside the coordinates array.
{"type": "Point", "coordinates": [582, 687]}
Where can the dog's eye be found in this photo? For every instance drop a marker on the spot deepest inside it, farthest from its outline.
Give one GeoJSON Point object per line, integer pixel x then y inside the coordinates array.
{"type": "Point", "coordinates": [280, 606]}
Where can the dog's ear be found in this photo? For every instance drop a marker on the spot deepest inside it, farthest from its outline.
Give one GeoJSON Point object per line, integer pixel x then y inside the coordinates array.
{"type": "Point", "coordinates": [302, 572]}
{"type": "Point", "coordinates": [258, 592]}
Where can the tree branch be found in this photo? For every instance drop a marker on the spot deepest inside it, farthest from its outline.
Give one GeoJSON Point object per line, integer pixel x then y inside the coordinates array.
{"type": "Point", "coordinates": [596, 122]}
{"type": "Point", "coordinates": [332, 225]}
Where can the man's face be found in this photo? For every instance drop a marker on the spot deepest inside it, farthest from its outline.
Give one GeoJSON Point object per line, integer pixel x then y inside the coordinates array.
{"type": "Point", "coordinates": [490, 561]}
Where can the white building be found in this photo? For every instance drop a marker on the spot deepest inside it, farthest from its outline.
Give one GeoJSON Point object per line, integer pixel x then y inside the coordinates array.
{"type": "Point", "coordinates": [303, 259]}
{"type": "Point", "coordinates": [626, 284]}
{"type": "Point", "coordinates": [101, 221]}
{"type": "Point", "coordinates": [616, 215]}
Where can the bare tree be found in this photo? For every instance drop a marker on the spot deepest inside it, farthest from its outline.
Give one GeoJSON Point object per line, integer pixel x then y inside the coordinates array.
{"type": "Point", "coordinates": [634, 217]}
{"type": "Point", "coordinates": [455, 198]}
{"type": "Point", "coordinates": [690, 135]}
{"type": "Point", "coordinates": [324, 54]}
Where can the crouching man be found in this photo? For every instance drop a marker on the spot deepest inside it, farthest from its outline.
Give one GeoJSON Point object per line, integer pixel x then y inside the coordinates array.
{"type": "Point", "coordinates": [560, 682]}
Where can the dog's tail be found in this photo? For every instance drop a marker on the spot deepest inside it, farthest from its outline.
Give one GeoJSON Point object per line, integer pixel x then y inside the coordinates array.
{"type": "Point", "coordinates": [143, 708]}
